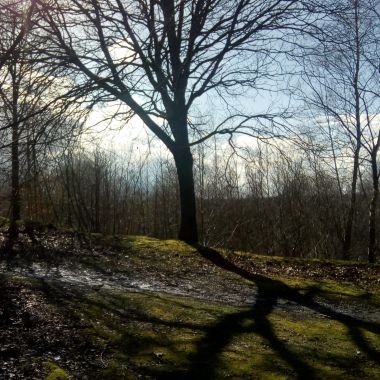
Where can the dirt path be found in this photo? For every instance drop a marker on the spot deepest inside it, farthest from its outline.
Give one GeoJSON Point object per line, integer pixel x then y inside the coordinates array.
{"type": "Point", "coordinates": [206, 282]}
{"type": "Point", "coordinates": [149, 265]}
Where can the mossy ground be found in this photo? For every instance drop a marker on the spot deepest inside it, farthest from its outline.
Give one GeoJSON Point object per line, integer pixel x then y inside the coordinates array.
{"type": "Point", "coordinates": [55, 372]}
{"type": "Point", "coordinates": [329, 279]}
{"type": "Point", "coordinates": [163, 336]}
{"type": "Point", "coordinates": [166, 336]}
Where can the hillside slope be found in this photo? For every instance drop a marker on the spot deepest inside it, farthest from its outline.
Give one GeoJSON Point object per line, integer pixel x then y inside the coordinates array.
{"type": "Point", "coordinates": [136, 307]}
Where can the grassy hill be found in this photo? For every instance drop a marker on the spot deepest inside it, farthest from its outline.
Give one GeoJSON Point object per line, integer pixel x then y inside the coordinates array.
{"type": "Point", "coordinates": [132, 307]}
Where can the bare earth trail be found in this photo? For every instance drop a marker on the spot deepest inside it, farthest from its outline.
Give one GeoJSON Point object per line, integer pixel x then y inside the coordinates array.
{"type": "Point", "coordinates": [200, 279]}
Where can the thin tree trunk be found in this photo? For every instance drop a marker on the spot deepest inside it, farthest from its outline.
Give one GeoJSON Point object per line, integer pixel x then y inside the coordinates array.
{"type": "Point", "coordinates": [347, 242]}
{"type": "Point", "coordinates": [15, 193]}
{"type": "Point", "coordinates": [346, 251]}
{"type": "Point", "coordinates": [15, 167]}
{"type": "Point", "coordinates": [372, 212]}
{"type": "Point", "coordinates": [201, 193]}
{"type": "Point", "coordinates": [97, 193]}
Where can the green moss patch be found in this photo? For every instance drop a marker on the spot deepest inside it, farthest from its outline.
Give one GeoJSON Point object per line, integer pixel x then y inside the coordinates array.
{"type": "Point", "coordinates": [176, 337]}
{"type": "Point", "coordinates": [55, 372]}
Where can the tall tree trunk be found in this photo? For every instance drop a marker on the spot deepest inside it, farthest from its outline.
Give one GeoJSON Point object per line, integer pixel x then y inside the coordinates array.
{"type": "Point", "coordinates": [183, 158]}
{"type": "Point", "coordinates": [15, 181]}
{"type": "Point", "coordinates": [372, 211]}
{"type": "Point", "coordinates": [96, 225]}
{"type": "Point", "coordinates": [346, 249]}
{"type": "Point", "coordinates": [15, 162]}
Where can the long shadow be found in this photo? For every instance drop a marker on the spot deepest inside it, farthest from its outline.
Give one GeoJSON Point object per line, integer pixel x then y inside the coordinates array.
{"type": "Point", "coordinates": [269, 292]}
{"type": "Point", "coordinates": [56, 294]}
{"type": "Point", "coordinates": [204, 362]}
{"type": "Point", "coordinates": [130, 343]}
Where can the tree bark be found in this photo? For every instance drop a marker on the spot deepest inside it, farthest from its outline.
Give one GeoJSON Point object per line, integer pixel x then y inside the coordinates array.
{"type": "Point", "coordinates": [15, 167]}
{"type": "Point", "coordinates": [372, 212]}
{"type": "Point", "coordinates": [15, 191]}
{"type": "Point", "coordinates": [188, 230]}
{"type": "Point", "coordinates": [346, 249]}
{"type": "Point", "coordinates": [347, 246]}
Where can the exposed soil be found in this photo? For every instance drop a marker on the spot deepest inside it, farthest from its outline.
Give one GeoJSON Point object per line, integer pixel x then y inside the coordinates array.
{"type": "Point", "coordinates": [68, 258]}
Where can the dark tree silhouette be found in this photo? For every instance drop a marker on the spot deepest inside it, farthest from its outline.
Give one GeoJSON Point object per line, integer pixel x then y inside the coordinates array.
{"type": "Point", "coordinates": [29, 122]}
{"type": "Point", "coordinates": [160, 57]}
{"type": "Point", "coordinates": [19, 33]}
{"type": "Point", "coordinates": [342, 80]}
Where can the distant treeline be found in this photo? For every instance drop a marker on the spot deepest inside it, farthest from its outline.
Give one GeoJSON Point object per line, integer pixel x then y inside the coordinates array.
{"type": "Point", "coordinates": [269, 203]}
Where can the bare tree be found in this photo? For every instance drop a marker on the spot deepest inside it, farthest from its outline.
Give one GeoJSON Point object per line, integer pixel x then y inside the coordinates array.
{"type": "Point", "coordinates": [13, 7]}
{"type": "Point", "coordinates": [29, 123]}
{"type": "Point", "coordinates": [372, 141]}
{"type": "Point", "coordinates": [339, 74]}
{"type": "Point", "coordinates": [160, 58]}
{"type": "Point", "coordinates": [375, 175]}
{"type": "Point", "coordinates": [371, 146]}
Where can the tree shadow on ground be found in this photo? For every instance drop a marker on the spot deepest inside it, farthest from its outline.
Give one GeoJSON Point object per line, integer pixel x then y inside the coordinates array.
{"type": "Point", "coordinates": [204, 362]}
{"type": "Point", "coordinates": [270, 291]}
{"type": "Point", "coordinates": [31, 334]}
{"type": "Point", "coordinates": [216, 337]}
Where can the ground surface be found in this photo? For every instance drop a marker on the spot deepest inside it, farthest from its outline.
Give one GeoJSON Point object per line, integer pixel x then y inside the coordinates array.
{"type": "Point", "coordinates": [96, 307]}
